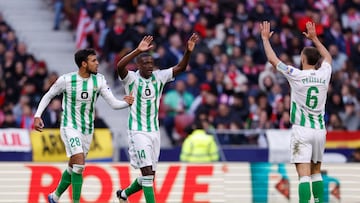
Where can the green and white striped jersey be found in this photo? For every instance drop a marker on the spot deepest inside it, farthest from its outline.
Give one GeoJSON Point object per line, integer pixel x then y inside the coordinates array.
{"type": "Point", "coordinates": [79, 98]}
{"type": "Point", "coordinates": [308, 94]}
{"type": "Point", "coordinates": [144, 112]}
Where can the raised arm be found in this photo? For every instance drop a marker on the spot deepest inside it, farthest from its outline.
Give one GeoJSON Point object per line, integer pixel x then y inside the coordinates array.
{"type": "Point", "coordinates": [265, 36]}
{"type": "Point", "coordinates": [181, 66]}
{"type": "Point", "coordinates": [311, 34]}
{"type": "Point", "coordinates": [143, 46]}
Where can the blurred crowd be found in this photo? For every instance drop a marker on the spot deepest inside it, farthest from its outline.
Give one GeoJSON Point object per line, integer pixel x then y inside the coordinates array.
{"type": "Point", "coordinates": [229, 85]}
{"type": "Point", "coordinates": [24, 79]}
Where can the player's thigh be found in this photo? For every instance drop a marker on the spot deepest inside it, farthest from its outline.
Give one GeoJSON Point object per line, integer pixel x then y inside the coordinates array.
{"type": "Point", "coordinates": [300, 145]}
{"type": "Point", "coordinates": [156, 149]}
{"type": "Point", "coordinates": [140, 149]}
{"type": "Point", "coordinates": [74, 141]}
{"type": "Point", "coordinates": [319, 140]}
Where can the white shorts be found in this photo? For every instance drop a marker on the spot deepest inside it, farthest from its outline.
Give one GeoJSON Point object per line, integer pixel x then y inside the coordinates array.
{"type": "Point", "coordinates": [307, 144]}
{"type": "Point", "coordinates": [75, 142]}
{"type": "Point", "coordinates": [144, 149]}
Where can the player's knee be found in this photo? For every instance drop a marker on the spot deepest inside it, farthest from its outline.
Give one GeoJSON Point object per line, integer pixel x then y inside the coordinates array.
{"type": "Point", "coordinates": [77, 168]}
{"type": "Point", "coordinates": [147, 181]}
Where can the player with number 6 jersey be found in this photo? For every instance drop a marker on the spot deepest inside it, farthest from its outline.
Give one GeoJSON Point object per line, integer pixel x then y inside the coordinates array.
{"type": "Point", "coordinates": [308, 94]}
{"type": "Point", "coordinates": [309, 86]}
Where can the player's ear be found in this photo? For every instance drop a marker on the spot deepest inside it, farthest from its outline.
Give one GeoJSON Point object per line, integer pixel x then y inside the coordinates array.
{"type": "Point", "coordinates": [83, 63]}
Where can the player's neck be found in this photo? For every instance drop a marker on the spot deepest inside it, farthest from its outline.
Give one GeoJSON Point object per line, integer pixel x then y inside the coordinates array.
{"type": "Point", "coordinates": [83, 73]}
{"type": "Point", "coordinates": [308, 67]}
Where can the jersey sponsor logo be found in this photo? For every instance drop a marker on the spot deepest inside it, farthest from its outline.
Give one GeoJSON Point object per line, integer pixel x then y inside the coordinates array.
{"type": "Point", "coordinates": [147, 92]}
{"type": "Point", "coordinates": [84, 95]}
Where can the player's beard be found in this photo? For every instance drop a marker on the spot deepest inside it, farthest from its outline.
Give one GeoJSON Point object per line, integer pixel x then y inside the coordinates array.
{"type": "Point", "coordinates": [301, 66]}
{"type": "Point", "coordinates": [93, 72]}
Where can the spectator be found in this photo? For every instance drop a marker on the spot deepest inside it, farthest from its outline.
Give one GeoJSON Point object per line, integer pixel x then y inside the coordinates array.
{"type": "Point", "coordinates": [223, 117]}
{"type": "Point", "coordinates": [26, 120]}
{"type": "Point", "coordinates": [335, 123]}
{"type": "Point", "coordinates": [192, 85]}
{"type": "Point", "coordinates": [199, 147]}
{"type": "Point", "coordinates": [53, 113]}
{"type": "Point", "coordinates": [351, 19]}
{"type": "Point", "coordinates": [235, 80]}
{"type": "Point", "coordinates": [350, 116]}
{"type": "Point", "coordinates": [355, 56]}
{"type": "Point", "coordinates": [177, 101]}
{"type": "Point", "coordinates": [58, 10]}
{"type": "Point", "coordinates": [335, 36]}
{"type": "Point", "coordinates": [200, 98]}
{"type": "Point", "coordinates": [339, 58]}
{"type": "Point", "coordinates": [9, 120]}
{"type": "Point", "coordinates": [99, 122]}
{"type": "Point", "coordinates": [355, 155]}
{"type": "Point", "coordinates": [284, 122]}
{"type": "Point", "coordinates": [209, 104]}
{"type": "Point", "coordinates": [239, 109]}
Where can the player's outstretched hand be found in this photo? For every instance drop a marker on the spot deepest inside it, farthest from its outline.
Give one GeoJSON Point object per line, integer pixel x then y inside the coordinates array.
{"type": "Point", "coordinates": [38, 124]}
{"type": "Point", "coordinates": [265, 30]}
{"type": "Point", "coordinates": [311, 30]}
{"type": "Point", "coordinates": [192, 41]}
{"type": "Point", "coordinates": [145, 43]}
{"type": "Point", "coordinates": [129, 99]}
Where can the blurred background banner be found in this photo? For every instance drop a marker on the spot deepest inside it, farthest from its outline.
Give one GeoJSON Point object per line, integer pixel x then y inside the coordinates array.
{"type": "Point", "coordinates": [47, 146]}
{"type": "Point", "coordinates": [342, 139]}
{"type": "Point", "coordinates": [279, 145]}
{"type": "Point", "coordinates": [180, 182]}
{"type": "Point", "coordinates": [14, 140]}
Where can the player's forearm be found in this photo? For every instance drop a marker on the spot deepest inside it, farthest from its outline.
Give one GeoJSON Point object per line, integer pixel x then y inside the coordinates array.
{"type": "Point", "coordinates": [44, 102]}
{"type": "Point", "coordinates": [323, 51]}
{"type": "Point", "coordinates": [270, 54]}
{"type": "Point", "coordinates": [181, 66]}
{"type": "Point", "coordinates": [112, 101]}
{"type": "Point", "coordinates": [121, 65]}
{"type": "Point", "coordinates": [118, 104]}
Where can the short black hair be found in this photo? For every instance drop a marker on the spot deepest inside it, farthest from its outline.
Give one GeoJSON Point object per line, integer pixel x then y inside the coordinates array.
{"type": "Point", "coordinates": [142, 55]}
{"type": "Point", "coordinates": [82, 55]}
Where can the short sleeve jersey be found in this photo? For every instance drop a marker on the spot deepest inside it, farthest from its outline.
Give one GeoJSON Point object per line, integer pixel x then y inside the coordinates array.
{"type": "Point", "coordinates": [144, 111]}
{"type": "Point", "coordinates": [308, 94]}
{"type": "Point", "coordinates": [79, 98]}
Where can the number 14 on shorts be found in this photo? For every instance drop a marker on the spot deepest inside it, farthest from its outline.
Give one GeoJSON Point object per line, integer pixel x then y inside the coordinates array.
{"type": "Point", "coordinates": [141, 154]}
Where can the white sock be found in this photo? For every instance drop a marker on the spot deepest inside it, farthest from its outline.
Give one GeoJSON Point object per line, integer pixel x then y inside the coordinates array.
{"type": "Point", "coordinates": [304, 179]}
{"type": "Point", "coordinates": [55, 197]}
{"type": "Point", "coordinates": [316, 177]}
{"type": "Point", "coordinates": [123, 194]}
